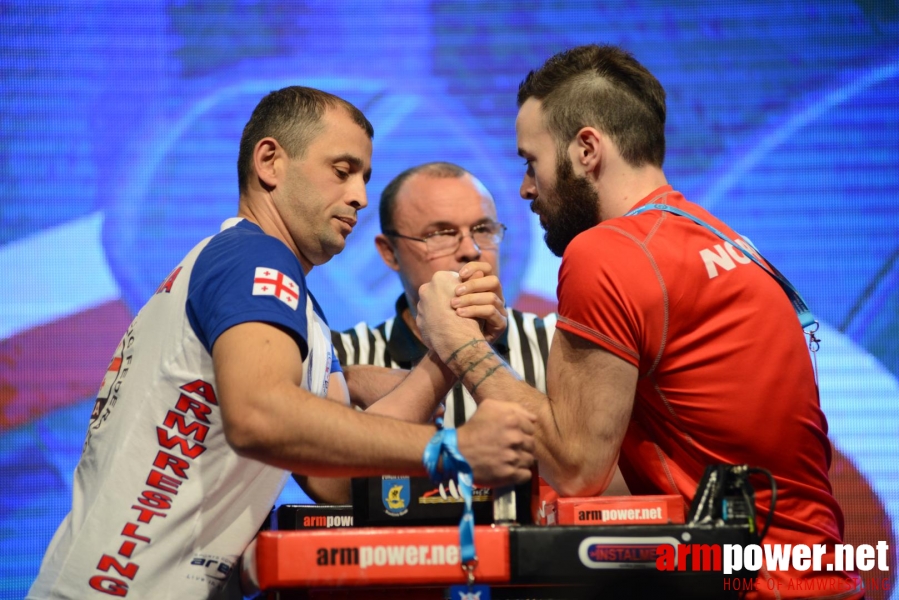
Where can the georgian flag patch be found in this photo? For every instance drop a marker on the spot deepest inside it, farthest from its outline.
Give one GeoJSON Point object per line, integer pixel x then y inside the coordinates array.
{"type": "Point", "coordinates": [271, 282]}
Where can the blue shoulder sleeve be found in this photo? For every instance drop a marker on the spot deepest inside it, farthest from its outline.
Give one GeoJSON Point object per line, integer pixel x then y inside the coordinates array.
{"type": "Point", "coordinates": [244, 275]}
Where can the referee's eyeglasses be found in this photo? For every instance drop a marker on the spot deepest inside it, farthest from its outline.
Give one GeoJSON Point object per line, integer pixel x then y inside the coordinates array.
{"type": "Point", "coordinates": [486, 236]}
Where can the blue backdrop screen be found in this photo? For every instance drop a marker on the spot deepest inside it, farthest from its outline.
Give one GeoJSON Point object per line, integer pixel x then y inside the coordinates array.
{"type": "Point", "coordinates": [119, 126]}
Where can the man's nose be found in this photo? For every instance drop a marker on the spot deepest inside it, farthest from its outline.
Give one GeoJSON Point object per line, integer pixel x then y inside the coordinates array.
{"type": "Point", "coordinates": [358, 197]}
{"type": "Point", "coordinates": [528, 189]}
{"type": "Point", "coordinates": [468, 249]}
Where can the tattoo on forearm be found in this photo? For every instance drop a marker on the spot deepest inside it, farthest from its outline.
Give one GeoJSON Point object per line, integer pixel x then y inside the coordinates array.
{"type": "Point", "coordinates": [473, 342]}
{"type": "Point", "coordinates": [474, 364]}
{"type": "Point", "coordinates": [489, 372]}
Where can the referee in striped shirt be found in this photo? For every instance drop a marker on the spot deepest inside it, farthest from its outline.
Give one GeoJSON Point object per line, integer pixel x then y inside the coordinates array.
{"type": "Point", "coordinates": [435, 217]}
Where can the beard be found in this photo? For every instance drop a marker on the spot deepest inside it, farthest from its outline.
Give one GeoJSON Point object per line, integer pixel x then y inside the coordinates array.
{"type": "Point", "coordinates": [568, 208]}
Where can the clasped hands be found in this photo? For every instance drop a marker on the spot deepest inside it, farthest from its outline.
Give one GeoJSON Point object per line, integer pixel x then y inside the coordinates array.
{"type": "Point", "coordinates": [454, 308]}
{"type": "Point", "coordinates": [455, 311]}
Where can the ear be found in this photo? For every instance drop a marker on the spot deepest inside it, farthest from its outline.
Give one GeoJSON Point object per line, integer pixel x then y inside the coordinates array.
{"type": "Point", "coordinates": [387, 251]}
{"type": "Point", "coordinates": [267, 161]}
{"type": "Point", "coordinates": [587, 148]}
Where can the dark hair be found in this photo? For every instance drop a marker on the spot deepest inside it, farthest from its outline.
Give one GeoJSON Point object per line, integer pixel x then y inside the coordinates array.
{"type": "Point", "coordinates": [292, 116]}
{"type": "Point", "coordinates": [605, 87]}
{"type": "Point", "coordinates": [387, 206]}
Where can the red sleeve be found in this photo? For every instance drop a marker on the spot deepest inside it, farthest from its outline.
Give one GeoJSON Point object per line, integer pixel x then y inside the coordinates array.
{"type": "Point", "coordinates": [611, 293]}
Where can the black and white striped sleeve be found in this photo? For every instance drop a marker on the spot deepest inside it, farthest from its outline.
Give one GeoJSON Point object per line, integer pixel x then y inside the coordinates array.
{"type": "Point", "coordinates": [529, 338]}
{"type": "Point", "coordinates": [364, 345]}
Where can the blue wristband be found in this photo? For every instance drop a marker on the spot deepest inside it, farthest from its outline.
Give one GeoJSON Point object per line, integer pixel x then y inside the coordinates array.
{"type": "Point", "coordinates": [445, 444]}
{"type": "Point", "coordinates": [431, 457]}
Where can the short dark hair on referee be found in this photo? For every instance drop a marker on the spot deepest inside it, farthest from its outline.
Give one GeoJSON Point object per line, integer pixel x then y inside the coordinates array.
{"type": "Point", "coordinates": [387, 206]}
{"type": "Point", "coordinates": [605, 87]}
{"type": "Point", "coordinates": [291, 115]}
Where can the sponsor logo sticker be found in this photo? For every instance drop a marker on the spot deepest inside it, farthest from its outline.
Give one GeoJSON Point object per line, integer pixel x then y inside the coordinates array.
{"type": "Point", "coordinates": [597, 552]}
{"type": "Point", "coordinates": [395, 495]}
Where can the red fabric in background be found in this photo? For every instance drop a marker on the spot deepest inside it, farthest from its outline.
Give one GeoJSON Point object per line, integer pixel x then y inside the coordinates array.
{"type": "Point", "coordinates": [58, 364]}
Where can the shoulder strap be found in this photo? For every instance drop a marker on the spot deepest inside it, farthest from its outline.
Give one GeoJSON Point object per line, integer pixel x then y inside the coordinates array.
{"type": "Point", "coordinates": [806, 318]}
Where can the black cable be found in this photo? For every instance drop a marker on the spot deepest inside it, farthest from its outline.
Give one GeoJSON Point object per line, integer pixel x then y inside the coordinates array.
{"type": "Point", "coordinates": [750, 505]}
{"type": "Point", "coordinates": [770, 518]}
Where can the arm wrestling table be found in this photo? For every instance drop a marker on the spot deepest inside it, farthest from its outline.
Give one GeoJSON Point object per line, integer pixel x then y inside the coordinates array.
{"type": "Point", "coordinates": [516, 561]}
{"type": "Point", "coordinates": [590, 559]}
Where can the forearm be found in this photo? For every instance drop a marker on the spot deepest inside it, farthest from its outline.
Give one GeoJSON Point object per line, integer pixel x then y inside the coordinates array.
{"type": "Point", "coordinates": [295, 430]}
{"type": "Point", "coordinates": [367, 384]}
{"type": "Point", "coordinates": [269, 417]}
{"type": "Point", "coordinates": [568, 457]}
{"type": "Point", "coordinates": [418, 395]}
{"type": "Point", "coordinates": [487, 375]}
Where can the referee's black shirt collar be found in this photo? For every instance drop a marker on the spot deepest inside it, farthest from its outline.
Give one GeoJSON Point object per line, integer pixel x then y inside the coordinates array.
{"type": "Point", "coordinates": [404, 347]}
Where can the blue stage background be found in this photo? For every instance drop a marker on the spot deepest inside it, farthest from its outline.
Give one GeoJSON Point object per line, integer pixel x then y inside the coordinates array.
{"type": "Point", "coordinates": [119, 125]}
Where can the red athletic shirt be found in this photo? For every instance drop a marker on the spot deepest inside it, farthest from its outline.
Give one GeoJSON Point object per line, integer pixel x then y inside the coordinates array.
{"type": "Point", "coordinates": [724, 370]}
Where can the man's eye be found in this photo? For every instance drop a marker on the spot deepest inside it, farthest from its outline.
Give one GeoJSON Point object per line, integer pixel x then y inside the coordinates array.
{"type": "Point", "coordinates": [341, 174]}
{"type": "Point", "coordinates": [444, 233]}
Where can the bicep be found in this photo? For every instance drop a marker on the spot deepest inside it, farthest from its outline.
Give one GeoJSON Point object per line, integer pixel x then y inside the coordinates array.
{"type": "Point", "coordinates": [591, 394]}
{"type": "Point", "coordinates": [252, 361]}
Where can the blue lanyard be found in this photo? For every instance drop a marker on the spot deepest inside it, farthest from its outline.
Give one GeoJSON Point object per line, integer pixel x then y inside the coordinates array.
{"type": "Point", "coordinates": [806, 318]}
{"type": "Point", "coordinates": [445, 444]}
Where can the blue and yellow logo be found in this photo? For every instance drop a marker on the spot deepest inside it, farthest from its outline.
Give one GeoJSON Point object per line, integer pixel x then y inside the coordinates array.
{"type": "Point", "coordinates": [395, 494]}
